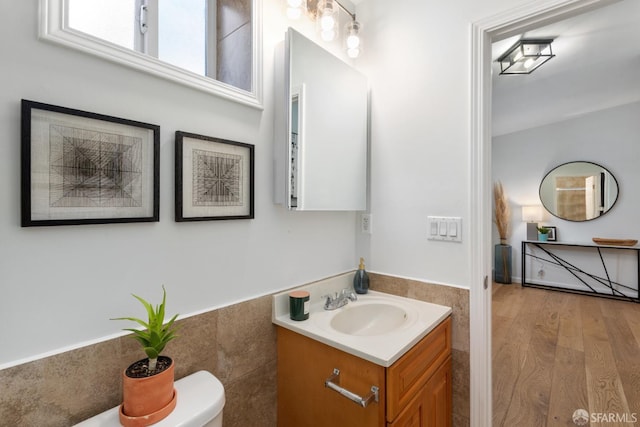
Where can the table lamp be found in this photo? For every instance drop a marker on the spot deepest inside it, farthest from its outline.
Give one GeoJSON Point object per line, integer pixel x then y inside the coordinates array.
{"type": "Point", "coordinates": [532, 215]}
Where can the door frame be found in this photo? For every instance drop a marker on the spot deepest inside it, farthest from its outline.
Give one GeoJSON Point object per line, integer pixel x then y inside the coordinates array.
{"type": "Point", "coordinates": [483, 34]}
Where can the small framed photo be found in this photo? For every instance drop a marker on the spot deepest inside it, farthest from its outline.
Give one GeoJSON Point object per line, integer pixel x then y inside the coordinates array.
{"type": "Point", "coordinates": [214, 178]}
{"type": "Point", "coordinates": [87, 168]}
{"type": "Point", "coordinates": [552, 233]}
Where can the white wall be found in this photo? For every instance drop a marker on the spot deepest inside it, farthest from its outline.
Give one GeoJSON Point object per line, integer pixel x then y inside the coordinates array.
{"type": "Point", "coordinates": [607, 137]}
{"type": "Point", "coordinates": [417, 55]}
{"type": "Point", "coordinates": [60, 285]}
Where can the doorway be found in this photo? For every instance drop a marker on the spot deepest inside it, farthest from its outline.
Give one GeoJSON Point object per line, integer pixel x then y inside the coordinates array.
{"type": "Point", "coordinates": [484, 32]}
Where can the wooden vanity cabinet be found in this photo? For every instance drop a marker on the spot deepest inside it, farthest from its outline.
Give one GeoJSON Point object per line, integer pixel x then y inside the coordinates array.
{"type": "Point", "coordinates": [432, 405]}
{"type": "Point", "coordinates": [303, 401]}
{"type": "Point", "coordinates": [413, 392]}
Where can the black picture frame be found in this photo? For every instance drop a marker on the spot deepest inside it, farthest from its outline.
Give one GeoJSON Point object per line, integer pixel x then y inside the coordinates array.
{"type": "Point", "coordinates": [552, 235]}
{"type": "Point", "coordinates": [79, 167]}
{"type": "Point", "coordinates": [214, 178]}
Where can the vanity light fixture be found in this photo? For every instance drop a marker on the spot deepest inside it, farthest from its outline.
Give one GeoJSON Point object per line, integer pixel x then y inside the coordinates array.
{"type": "Point", "coordinates": [326, 14]}
{"type": "Point", "coordinates": [532, 215]}
{"type": "Point", "coordinates": [525, 56]}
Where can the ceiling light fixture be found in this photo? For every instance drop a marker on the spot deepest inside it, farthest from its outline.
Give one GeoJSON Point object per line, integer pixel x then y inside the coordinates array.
{"type": "Point", "coordinates": [525, 56]}
{"type": "Point", "coordinates": [326, 13]}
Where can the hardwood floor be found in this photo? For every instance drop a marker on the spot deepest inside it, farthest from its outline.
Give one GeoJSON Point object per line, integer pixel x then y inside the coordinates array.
{"type": "Point", "coordinates": [555, 352]}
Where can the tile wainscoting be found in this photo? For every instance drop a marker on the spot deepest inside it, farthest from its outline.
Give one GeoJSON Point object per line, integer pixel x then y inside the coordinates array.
{"type": "Point", "coordinates": [236, 343]}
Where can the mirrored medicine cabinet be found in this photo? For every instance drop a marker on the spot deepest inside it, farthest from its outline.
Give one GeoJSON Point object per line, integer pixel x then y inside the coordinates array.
{"type": "Point", "coordinates": [321, 129]}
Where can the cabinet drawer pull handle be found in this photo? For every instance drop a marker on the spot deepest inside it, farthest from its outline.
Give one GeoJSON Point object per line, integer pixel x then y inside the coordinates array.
{"type": "Point", "coordinates": [333, 383]}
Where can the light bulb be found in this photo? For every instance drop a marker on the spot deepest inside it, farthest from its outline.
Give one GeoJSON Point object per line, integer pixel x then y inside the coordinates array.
{"type": "Point", "coordinates": [294, 8]}
{"type": "Point", "coordinates": [294, 12]}
{"type": "Point", "coordinates": [327, 22]}
{"type": "Point", "coordinates": [529, 62]}
{"type": "Point", "coordinates": [353, 41]}
{"type": "Point", "coordinates": [328, 35]}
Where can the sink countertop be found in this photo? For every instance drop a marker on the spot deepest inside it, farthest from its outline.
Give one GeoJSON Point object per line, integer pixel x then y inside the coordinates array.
{"type": "Point", "coordinates": [384, 349]}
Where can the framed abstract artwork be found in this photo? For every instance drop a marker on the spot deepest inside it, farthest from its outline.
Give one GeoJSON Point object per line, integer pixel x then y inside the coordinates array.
{"type": "Point", "coordinates": [214, 178]}
{"type": "Point", "coordinates": [86, 168]}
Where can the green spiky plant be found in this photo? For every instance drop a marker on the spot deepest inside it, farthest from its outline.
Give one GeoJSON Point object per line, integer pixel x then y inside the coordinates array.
{"type": "Point", "coordinates": [543, 230]}
{"type": "Point", "coordinates": [156, 334]}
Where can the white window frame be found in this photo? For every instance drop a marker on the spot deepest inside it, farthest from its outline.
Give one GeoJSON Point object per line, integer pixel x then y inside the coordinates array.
{"type": "Point", "coordinates": [54, 27]}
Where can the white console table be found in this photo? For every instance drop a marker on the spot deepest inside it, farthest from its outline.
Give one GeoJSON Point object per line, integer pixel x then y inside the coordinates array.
{"type": "Point", "coordinates": [596, 281]}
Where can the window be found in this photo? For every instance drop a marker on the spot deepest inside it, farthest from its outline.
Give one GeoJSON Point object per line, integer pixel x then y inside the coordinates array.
{"type": "Point", "coordinates": [209, 44]}
{"type": "Point", "coordinates": [183, 35]}
{"type": "Point", "coordinates": [174, 32]}
{"type": "Point", "coordinates": [110, 20]}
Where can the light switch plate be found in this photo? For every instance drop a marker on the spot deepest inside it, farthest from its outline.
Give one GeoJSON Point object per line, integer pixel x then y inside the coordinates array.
{"type": "Point", "coordinates": [444, 228]}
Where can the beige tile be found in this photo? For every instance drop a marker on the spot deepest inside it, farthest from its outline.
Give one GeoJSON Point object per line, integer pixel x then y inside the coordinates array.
{"type": "Point", "coordinates": [460, 421]}
{"type": "Point", "coordinates": [21, 391]}
{"type": "Point", "coordinates": [194, 349]}
{"type": "Point", "coordinates": [85, 381]}
{"type": "Point", "coordinates": [458, 300]}
{"type": "Point", "coordinates": [252, 399]}
{"type": "Point", "coordinates": [389, 284]}
{"type": "Point", "coordinates": [246, 338]}
{"type": "Point", "coordinates": [461, 384]}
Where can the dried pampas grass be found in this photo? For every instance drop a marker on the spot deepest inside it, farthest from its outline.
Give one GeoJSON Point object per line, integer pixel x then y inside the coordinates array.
{"type": "Point", "coordinates": [503, 213]}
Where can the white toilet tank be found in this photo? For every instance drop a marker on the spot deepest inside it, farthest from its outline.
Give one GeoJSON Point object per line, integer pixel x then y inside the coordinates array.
{"type": "Point", "coordinates": [200, 403]}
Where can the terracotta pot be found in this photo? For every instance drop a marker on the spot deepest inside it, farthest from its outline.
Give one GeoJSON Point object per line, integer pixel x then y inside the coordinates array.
{"type": "Point", "coordinates": [147, 400]}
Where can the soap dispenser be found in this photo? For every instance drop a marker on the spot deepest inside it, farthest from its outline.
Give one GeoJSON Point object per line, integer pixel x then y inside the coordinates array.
{"type": "Point", "coordinates": [361, 279]}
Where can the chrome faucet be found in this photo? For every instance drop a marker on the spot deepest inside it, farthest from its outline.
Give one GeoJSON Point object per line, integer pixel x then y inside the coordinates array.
{"type": "Point", "coordinates": [338, 300]}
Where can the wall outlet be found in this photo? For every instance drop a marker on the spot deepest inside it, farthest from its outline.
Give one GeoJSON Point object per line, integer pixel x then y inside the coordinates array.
{"type": "Point", "coordinates": [365, 223]}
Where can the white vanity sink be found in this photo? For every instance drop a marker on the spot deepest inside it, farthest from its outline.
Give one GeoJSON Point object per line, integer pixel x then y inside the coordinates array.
{"type": "Point", "coordinates": [377, 327]}
{"type": "Point", "coordinates": [373, 316]}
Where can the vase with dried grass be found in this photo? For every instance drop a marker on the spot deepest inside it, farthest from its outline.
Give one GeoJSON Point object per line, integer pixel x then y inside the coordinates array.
{"type": "Point", "coordinates": [502, 253]}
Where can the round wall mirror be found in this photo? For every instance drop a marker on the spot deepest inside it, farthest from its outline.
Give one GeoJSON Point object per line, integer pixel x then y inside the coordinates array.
{"type": "Point", "coordinates": [578, 191]}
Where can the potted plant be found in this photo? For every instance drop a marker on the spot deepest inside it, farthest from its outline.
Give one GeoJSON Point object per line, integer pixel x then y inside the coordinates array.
{"type": "Point", "coordinates": [147, 385]}
{"type": "Point", "coordinates": [543, 233]}
{"type": "Point", "coordinates": [502, 251]}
